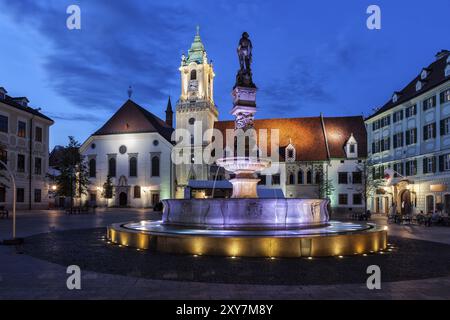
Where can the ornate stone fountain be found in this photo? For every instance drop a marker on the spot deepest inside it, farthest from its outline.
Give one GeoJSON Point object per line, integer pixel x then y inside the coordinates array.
{"type": "Point", "coordinates": [245, 225]}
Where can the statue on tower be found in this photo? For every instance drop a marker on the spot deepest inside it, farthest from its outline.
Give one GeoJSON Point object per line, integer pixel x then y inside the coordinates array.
{"type": "Point", "coordinates": [244, 51]}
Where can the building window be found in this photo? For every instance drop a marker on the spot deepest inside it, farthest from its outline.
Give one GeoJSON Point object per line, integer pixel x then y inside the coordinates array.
{"type": "Point", "coordinates": [357, 177]}
{"type": "Point", "coordinates": [411, 136]}
{"type": "Point", "coordinates": [445, 126]}
{"type": "Point", "coordinates": [92, 168]}
{"type": "Point", "coordinates": [398, 116]}
{"type": "Point", "coordinates": [37, 166]}
{"type": "Point", "coordinates": [430, 204]}
{"type": "Point", "coordinates": [20, 195]}
{"type": "Point", "coordinates": [398, 140]}
{"type": "Point", "coordinates": [444, 162]}
{"type": "Point", "coordinates": [262, 180]}
{"type": "Point", "coordinates": [357, 198]}
{"type": "Point", "coordinates": [38, 134]}
{"type": "Point", "coordinates": [276, 179]}
{"type": "Point", "coordinates": [343, 199]}
{"type": "Point", "coordinates": [37, 195]}
{"type": "Point", "coordinates": [429, 131]}
{"type": "Point", "coordinates": [445, 96]}
{"type": "Point", "coordinates": [3, 158]}
{"type": "Point", "coordinates": [398, 168]}
{"type": "Point", "coordinates": [342, 177]}
{"type": "Point", "coordinates": [411, 168]}
{"type": "Point", "coordinates": [2, 194]}
{"type": "Point", "coordinates": [20, 163]}
{"type": "Point", "coordinates": [112, 167]}
{"type": "Point", "coordinates": [309, 177]}
{"type": "Point", "coordinates": [383, 122]}
{"type": "Point", "coordinates": [352, 148]}
{"type": "Point", "coordinates": [133, 167]}
{"type": "Point", "coordinates": [155, 166]}
{"type": "Point", "coordinates": [3, 124]}
{"type": "Point", "coordinates": [193, 75]}
{"type": "Point", "coordinates": [21, 129]}
{"type": "Point", "coordinates": [137, 192]}
{"type": "Point", "coordinates": [300, 177]}
{"type": "Point", "coordinates": [411, 111]}
{"type": "Point", "coordinates": [429, 103]}
{"type": "Point", "coordinates": [291, 179]}
{"type": "Point", "coordinates": [429, 165]}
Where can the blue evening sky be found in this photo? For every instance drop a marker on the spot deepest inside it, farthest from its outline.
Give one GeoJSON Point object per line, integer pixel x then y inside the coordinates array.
{"type": "Point", "coordinates": [309, 56]}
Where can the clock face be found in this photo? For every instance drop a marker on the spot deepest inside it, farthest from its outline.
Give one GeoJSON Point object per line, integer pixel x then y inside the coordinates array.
{"type": "Point", "coordinates": [193, 85]}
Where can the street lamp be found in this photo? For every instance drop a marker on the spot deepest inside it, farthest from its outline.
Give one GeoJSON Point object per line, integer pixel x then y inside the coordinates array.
{"type": "Point", "coordinates": [13, 181]}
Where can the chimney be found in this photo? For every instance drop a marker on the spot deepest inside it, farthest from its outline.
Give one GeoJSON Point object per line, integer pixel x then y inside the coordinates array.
{"type": "Point", "coordinates": [441, 54]}
{"type": "Point", "coordinates": [169, 114]}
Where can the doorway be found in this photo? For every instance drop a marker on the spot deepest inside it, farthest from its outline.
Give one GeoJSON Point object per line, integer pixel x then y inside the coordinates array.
{"type": "Point", "coordinates": [155, 198]}
{"type": "Point", "coordinates": [123, 199]}
{"type": "Point", "coordinates": [405, 202]}
{"type": "Point", "coordinates": [430, 203]}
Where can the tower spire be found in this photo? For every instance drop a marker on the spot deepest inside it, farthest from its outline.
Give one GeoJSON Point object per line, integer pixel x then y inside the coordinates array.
{"type": "Point", "coordinates": [169, 114]}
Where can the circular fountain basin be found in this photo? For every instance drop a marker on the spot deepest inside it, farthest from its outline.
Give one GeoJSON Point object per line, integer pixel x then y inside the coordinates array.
{"type": "Point", "coordinates": [337, 238]}
{"type": "Point", "coordinates": [248, 213]}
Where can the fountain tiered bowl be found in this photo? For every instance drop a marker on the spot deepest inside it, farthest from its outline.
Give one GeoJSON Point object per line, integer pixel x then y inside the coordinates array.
{"type": "Point", "coordinates": [245, 225]}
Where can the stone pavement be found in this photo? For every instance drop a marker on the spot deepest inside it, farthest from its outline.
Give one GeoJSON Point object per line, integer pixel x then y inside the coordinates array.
{"type": "Point", "coordinates": [25, 277]}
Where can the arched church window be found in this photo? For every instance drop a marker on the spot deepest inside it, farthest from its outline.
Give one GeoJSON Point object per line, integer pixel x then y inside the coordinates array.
{"type": "Point", "coordinates": [155, 166]}
{"type": "Point", "coordinates": [112, 167]}
{"type": "Point", "coordinates": [300, 177]}
{"type": "Point", "coordinates": [133, 167]}
{"type": "Point", "coordinates": [309, 177]}
{"type": "Point", "coordinates": [92, 168]}
{"type": "Point", "coordinates": [194, 75]}
{"type": "Point", "coordinates": [137, 192]}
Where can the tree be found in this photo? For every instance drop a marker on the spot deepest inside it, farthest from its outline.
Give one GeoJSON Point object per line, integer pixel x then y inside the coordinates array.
{"type": "Point", "coordinates": [108, 190]}
{"type": "Point", "coordinates": [326, 187]}
{"type": "Point", "coordinates": [73, 180]}
{"type": "Point", "coordinates": [3, 176]}
{"type": "Point", "coordinates": [370, 184]}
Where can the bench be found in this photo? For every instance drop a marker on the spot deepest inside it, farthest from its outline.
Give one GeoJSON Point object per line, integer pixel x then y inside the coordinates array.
{"type": "Point", "coordinates": [4, 213]}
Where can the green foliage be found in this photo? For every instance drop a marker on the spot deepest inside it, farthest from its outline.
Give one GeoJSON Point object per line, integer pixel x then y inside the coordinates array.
{"type": "Point", "coordinates": [73, 180]}
{"type": "Point", "coordinates": [108, 188]}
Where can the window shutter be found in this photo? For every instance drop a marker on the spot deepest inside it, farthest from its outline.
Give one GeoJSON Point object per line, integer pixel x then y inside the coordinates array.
{"type": "Point", "coordinates": [401, 135]}
{"type": "Point", "coordinates": [415, 135]}
{"type": "Point", "coordinates": [434, 101]}
{"type": "Point", "coordinates": [442, 97]}
{"type": "Point", "coordinates": [433, 159]}
{"type": "Point", "coordinates": [425, 133]}
{"type": "Point", "coordinates": [373, 147]}
{"type": "Point", "coordinates": [408, 137]}
{"type": "Point", "coordinates": [415, 167]}
{"type": "Point", "coordinates": [425, 167]}
{"type": "Point", "coordinates": [395, 141]}
{"type": "Point", "coordinates": [434, 130]}
{"type": "Point", "coordinates": [441, 163]}
{"type": "Point", "coordinates": [408, 168]}
{"type": "Point", "coordinates": [442, 128]}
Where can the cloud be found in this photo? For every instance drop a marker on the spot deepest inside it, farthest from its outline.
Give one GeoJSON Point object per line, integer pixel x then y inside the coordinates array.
{"type": "Point", "coordinates": [75, 117]}
{"type": "Point", "coordinates": [121, 43]}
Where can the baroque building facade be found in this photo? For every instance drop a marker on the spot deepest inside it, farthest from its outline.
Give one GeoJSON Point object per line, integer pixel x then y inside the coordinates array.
{"type": "Point", "coordinates": [410, 135]}
{"type": "Point", "coordinates": [24, 141]}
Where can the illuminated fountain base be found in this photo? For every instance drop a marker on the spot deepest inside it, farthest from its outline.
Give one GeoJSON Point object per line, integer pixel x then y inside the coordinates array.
{"type": "Point", "coordinates": [247, 226]}
{"type": "Point", "coordinates": [336, 238]}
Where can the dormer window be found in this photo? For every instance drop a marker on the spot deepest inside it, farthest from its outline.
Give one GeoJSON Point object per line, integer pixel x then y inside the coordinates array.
{"type": "Point", "coordinates": [290, 153]}
{"type": "Point", "coordinates": [418, 85]}
{"type": "Point", "coordinates": [423, 74]}
{"type": "Point", "coordinates": [23, 101]}
{"type": "Point", "coordinates": [395, 98]}
{"type": "Point", "coordinates": [351, 147]}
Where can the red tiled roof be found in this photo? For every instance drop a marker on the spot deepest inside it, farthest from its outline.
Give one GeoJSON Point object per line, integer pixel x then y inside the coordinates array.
{"type": "Point", "coordinates": [132, 118]}
{"type": "Point", "coordinates": [307, 135]}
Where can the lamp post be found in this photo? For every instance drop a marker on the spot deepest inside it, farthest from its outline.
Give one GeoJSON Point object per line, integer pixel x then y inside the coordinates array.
{"type": "Point", "coordinates": [13, 181]}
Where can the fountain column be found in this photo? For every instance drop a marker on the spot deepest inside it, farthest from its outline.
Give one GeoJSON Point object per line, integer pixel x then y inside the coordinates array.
{"type": "Point", "coordinates": [244, 108]}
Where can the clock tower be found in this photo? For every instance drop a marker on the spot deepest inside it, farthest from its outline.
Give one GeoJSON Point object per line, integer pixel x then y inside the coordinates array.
{"type": "Point", "coordinates": [195, 108]}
